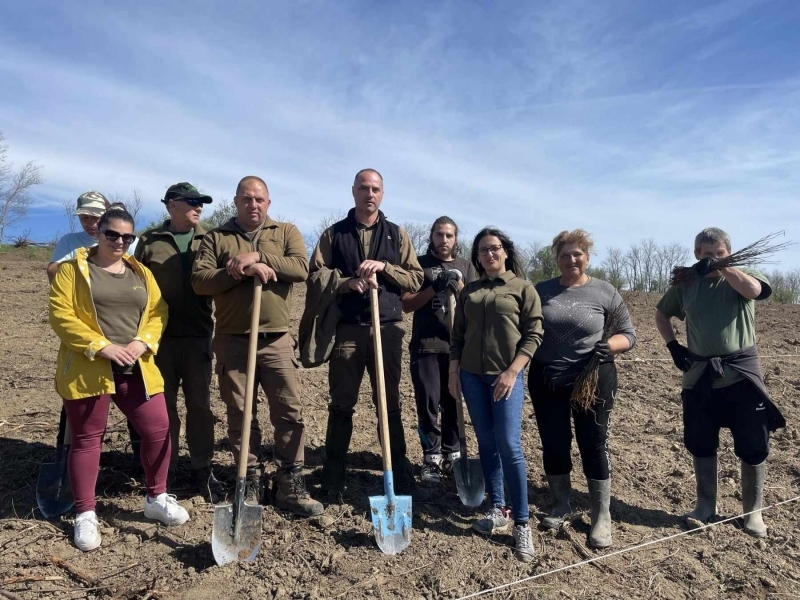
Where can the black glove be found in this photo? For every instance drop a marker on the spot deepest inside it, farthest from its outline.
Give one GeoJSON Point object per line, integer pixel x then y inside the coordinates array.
{"type": "Point", "coordinates": [602, 349]}
{"type": "Point", "coordinates": [680, 355]}
{"type": "Point", "coordinates": [703, 267]}
{"type": "Point", "coordinates": [446, 279]}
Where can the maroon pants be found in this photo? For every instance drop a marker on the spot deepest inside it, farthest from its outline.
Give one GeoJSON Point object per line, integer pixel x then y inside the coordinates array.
{"type": "Point", "coordinates": [88, 417]}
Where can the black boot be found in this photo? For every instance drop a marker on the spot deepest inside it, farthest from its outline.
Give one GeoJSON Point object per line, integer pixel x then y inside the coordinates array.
{"type": "Point", "coordinates": [337, 441]}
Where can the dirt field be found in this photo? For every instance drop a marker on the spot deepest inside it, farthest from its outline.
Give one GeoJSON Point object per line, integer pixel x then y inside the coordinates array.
{"type": "Point", "coordinates": [334, 556]}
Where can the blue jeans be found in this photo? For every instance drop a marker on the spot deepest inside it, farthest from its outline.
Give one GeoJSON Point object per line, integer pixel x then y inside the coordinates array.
{"type": "Point", "coordinates": [498, 427]}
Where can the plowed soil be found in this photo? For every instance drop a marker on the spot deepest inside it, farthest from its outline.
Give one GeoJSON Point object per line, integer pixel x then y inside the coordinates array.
{"type": "Point", "coordinates": [335, 556]}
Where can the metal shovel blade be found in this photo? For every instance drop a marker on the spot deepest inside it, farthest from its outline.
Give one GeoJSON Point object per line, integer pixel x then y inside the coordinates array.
{"type": "Point", "coordinates": [469, 481]}
{"type": "Point", "coordinates": [236, 534]}
{"type": "Point", "coordinates": [391, 518]}
{"type": "Point", "coordinates": [53, 492]}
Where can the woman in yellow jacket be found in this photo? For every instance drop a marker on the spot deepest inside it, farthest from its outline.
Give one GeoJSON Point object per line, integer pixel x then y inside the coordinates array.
{"type": "Point", "coordinates": [107, 310]}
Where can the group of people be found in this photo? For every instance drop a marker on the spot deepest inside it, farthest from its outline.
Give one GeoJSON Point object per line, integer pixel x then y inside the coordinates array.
{"type": "Point", "coordinates": [136, 324]}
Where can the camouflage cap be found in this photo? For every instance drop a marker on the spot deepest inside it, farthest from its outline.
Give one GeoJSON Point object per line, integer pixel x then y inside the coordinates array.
{"type": "Point", "coordinates": [187, 191]}
{"type": "Point", "coordinates": [93, 204]}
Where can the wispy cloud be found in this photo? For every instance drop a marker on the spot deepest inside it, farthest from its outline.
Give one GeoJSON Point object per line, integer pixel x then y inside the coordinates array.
{"type": "Point", "coordinates": [630, 119]}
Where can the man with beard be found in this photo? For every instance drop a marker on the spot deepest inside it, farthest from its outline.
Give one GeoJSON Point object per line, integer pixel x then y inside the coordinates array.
{"type": "Point", "coordinates": [444, 273]}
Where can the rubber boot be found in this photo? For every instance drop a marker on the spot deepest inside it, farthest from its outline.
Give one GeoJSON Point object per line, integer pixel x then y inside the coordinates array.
{"type": "Point", "coordinates": [337, 442]}
{"type": "Point", "coordinates": [600, 499]}
{"type": "Point", "coordinates": [560, 488]}
{"type": "Point", "coordinates": [290, 493]}
{"type": "Point", "coordinates": [753, 497]}
{"type": "Point", "coordinates": [401, 466]}
{"type": "Point", "coordinates": [705, 472]}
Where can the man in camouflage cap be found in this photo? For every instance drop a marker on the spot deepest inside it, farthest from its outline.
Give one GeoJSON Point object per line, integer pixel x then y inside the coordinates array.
{"type": "Point", "coordinates": [90, 207]}
{"type": "Point", "coordinates": [184, 357]}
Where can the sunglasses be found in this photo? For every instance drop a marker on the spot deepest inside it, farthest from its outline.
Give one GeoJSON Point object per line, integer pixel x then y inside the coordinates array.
{"type": "Point", "coordinates": [190, 201]}
{"type": "Point", "coordinates": [113, 236]}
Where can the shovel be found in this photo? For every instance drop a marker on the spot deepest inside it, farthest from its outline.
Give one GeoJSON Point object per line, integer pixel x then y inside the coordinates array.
{"type": "Point", "coordinates": [53, 493]}
{"type": "Point", "coordinates": [467, 471]}
{"type": "Point", "coordinates": [391, 515]}
{"type": "Point", "coordinates": [236, 534]}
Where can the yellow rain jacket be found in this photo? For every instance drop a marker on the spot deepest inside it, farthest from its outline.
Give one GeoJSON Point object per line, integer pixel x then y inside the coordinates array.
{"type": "Point", "coordinates": [81, 373]}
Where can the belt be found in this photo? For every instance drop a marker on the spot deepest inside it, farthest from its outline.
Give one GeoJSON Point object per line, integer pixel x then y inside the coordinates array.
{"type": "Point", "coordinates": [264, 335]}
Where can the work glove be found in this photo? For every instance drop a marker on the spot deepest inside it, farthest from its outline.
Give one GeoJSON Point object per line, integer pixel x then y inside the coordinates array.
{"type": "Point", "coordinates": [446, 279]}
{"type": "Point", "coordinates": [602, 349]}
{"type": "Point", "coordinates": [680, 355]}
{"type": "Point", "coordinates": [703, 267]}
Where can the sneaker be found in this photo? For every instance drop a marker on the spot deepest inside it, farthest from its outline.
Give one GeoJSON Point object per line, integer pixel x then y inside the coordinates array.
{"type": "Point", "coordinates": [523, 543]}
{"type": "Point", "coordinates": [430, 472]}
{"type": "Point", "coordinates": [290, 493]}
{"type": "Point", "coordinates": [208, 485]}
{"type": "Point", "coordinates": [447, 463]}
{"type": "Point", "coordinates": [86, 535]}
{"type": "Point", "coordinates": [165, 508]}
{"type": "Point", "coordinates": [497, 520]}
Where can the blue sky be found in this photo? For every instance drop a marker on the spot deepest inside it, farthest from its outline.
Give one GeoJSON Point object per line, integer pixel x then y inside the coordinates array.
{"type": "Point", "coordinates": [631, 119]}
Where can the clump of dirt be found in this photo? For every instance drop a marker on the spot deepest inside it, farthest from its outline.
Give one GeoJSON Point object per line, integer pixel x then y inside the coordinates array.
{"type": "Point", "coordinates": [335, 556]}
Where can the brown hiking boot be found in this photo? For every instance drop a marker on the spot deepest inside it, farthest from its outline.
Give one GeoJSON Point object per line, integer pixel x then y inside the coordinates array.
{"type": "Point", "coordinates": [289, 493]}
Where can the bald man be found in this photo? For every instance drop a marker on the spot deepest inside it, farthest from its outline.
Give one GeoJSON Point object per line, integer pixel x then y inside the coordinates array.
{"type": "Point", "coordinates": [366, 250]}
{"type": "Point", "coordinates": [253, 245]}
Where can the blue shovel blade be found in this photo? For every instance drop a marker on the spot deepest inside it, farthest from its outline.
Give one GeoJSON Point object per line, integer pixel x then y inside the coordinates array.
{"type": "Point", "coordinates": [391, 518]}
{"type": "Point", "coordinates": [53, 493]}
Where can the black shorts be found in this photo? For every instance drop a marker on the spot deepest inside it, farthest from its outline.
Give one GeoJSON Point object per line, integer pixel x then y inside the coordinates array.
{"type": "Point", "coordinates": [738, 407]}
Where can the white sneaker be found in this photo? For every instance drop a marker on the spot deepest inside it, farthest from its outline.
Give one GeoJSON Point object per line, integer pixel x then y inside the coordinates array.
{"type": "Point", "coordinates": [86, 535]}
{"type": "Point", "coordinates": [523, 543]}
{"type": "Point", "coordinates": [165, 508]}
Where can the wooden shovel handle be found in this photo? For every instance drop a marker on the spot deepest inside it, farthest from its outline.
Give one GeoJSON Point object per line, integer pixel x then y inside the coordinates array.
{"type": "Point", "coordinates": [451, 315]}
{"type": "Point", "coordinates": [252, 350]}
{"type": "Point", "coordinates": [380, 380]}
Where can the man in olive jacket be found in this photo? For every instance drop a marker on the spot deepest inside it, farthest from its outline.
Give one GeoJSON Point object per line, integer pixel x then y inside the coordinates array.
{"type": "Point", "coordinates": [184, 358]}
{"type": "Point", "coordinates": [253, 245]}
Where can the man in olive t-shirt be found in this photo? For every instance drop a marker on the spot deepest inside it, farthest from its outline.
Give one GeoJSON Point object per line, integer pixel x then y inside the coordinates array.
{"type": "Point", "coordinates": [719, 311]}
{"type": "Point", "coordinates": [444, 273]}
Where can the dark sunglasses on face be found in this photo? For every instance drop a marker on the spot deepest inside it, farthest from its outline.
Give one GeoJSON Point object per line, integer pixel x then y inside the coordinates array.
{"type": "Point", "coordinates": [113, 236]}
{"type": "Point", "coordinates": [190, 201]}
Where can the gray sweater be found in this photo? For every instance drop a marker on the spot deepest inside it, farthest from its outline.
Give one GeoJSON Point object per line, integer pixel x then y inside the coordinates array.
{"type": "Point", "coordinates": [573, 323]}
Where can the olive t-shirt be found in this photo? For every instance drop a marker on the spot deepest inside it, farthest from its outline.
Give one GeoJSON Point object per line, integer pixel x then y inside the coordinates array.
{"type": "Point", "coordinates": [719, 321]}
{"type": "Point", "coordinates": [430, 329]}
{"type": "Point", "coordinates": [182, 240]}
{"type": "Point", "coordinates": [120, 301]}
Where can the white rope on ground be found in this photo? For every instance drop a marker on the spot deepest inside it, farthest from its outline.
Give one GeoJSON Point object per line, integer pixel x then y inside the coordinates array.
{"type": "Point", "coordinates": [670, 360]}
{"type": "Point", "coordinates": [623, 551]}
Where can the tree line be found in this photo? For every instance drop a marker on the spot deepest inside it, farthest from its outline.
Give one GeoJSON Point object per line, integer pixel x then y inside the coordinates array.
{"type": "Point", "coordinates": [641, 267]}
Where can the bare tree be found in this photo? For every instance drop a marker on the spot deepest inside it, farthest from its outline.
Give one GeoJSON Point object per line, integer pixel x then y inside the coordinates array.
{"type": "Point", "coordinates": [633, 267]}
{"type": "Point", "coordinates": [15, 186]}
{"type": "Point", "coordinates": [419, 235]}
{"type": "Point", "coordinates": [69, 213]}
{"type": "Point", "coordinates": [649, 263]}
{"type": "Point", "coordinates": [614, 265]}
{"type": "Point", "coordinates": [133, 204]}
{"type": "Point", "coordinates": [312, 238]}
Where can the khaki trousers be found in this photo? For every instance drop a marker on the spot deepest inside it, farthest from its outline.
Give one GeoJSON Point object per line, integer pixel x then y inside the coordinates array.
{"type": "Point", "coordinates": [276, 372]}
{"type": "Point", "coordinates": [185, 362]}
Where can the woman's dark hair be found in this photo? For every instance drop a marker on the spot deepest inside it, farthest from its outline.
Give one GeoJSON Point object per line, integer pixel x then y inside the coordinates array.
{"type": "Point", "coordinates": [513, 262]}
{"type": "Point", "coordinates": [116, 211]}
{"type": "Point", "coordinates": [444, 220]}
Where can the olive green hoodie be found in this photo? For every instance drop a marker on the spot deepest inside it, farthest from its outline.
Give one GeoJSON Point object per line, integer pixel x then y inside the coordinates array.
{"type": "Point", "coordinates": [189, 314]}
{"type": "Point", "coordinates": [280, 246]}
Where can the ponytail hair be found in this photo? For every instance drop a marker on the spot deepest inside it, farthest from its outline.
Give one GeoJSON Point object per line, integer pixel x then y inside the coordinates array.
{"type": "Point", "coordinates": [444, 220]}
{"type": "Point", "coordinates": [117, 210]}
